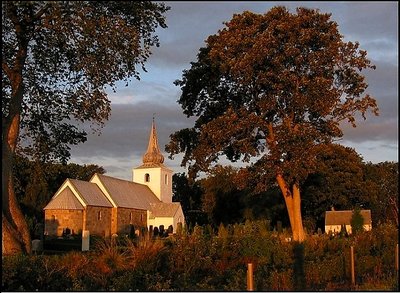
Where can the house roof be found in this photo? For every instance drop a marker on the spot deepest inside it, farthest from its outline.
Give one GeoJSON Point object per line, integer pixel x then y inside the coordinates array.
{"type": "Point", "coordinates": [164, 209]}
{"type": "Point", "coordinates": [344, 217]}
{"type": "Point", "coordinates": [90, 193]}
{"type": "Point", "coordinates": [128, 194]}
{"type": "Point", "coordinates": [65, 200]}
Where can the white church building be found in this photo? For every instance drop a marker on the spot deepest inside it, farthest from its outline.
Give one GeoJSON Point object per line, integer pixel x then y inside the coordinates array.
{"type": "Point", "coordinates": [106, 205]}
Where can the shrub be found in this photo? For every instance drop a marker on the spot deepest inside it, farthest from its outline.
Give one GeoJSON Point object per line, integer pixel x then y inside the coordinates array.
{"type": "Point", "coordinates": [357, 222]}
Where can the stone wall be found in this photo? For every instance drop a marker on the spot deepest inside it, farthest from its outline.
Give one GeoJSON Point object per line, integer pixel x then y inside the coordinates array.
{"type": "Point", "coordinates": [127, 217]}
{"type": "Point", "coordinates": [98, 220]}
{"type": "Point", "coordinates": [56, 221]}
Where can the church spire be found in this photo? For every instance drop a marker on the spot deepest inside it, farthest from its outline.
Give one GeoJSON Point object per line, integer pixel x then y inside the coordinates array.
{"type": "Point", "coordinates": [153, 156]}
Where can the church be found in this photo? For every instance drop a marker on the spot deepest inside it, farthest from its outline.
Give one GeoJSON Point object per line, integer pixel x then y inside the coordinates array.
{"type": "Point", "coordinates": [106, 206]}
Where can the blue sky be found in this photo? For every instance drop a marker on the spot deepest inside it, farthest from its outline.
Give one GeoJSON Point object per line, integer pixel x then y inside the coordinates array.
{"type": "Point", "coordinates": [124, 138]}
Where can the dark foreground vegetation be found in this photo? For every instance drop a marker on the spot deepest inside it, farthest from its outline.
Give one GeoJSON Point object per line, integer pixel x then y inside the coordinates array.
{"type": "Point", "coordinates": [207, 260]}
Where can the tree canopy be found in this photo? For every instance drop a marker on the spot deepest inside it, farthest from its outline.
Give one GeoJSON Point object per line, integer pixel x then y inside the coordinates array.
{"type": "Point", "coordinates": [272, 87]}
{"type": "Point", "coordinates": [66, 54]}
{"type": "Point", "coordinates": [58, 60]}
{"type": "Point", "coordinates": [338, 182]}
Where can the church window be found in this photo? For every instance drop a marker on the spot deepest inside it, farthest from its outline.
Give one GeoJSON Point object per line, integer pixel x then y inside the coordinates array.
{"type": "Point", "coordinates": [166, 179]}
{"type": "Point", "coordinates": [147, 177]}
{"type": "Point", "coordinates": [99, 215]}
{"type": "Point", "coordinates": [53, 219]}
{"type": "Point", "coordinates": [141, 217]}
{"type": "Point", "coordinates": [130, 216]}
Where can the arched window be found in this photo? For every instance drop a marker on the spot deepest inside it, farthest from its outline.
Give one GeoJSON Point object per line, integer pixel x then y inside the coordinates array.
{"type": "Point", "coordinates": [130, 216]}
{"type": "Point", "coordinates": [99, 215]}
{"type": "Point", "coordinates": [147, 177]}
{"type": "Point", "coordinates": [166, 179]}
{"type": "Point", "coordinates": [53, 218]}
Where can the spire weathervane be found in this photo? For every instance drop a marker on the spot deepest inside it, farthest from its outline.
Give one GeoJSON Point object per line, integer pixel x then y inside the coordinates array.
{"type": "Point", "coordinates": [153, 156]}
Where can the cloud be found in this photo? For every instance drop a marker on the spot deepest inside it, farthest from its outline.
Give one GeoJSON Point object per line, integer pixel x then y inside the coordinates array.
{"type": "Point", "coordinates": [125, 136]}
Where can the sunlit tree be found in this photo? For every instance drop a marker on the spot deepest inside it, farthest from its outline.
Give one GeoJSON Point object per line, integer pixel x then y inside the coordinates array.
{"type": "Point", "coordinates": [271, 87]}
{"type": "Point", "coordinates": [58, 60]}
{"type": "Point", "coordinates": [383, 187]}
{"type": "Point", "coordinates": [338, 183]}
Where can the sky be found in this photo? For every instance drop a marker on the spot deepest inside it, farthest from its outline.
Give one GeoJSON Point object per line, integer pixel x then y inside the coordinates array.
{"type": "Point", "coordinates": [124, 138]}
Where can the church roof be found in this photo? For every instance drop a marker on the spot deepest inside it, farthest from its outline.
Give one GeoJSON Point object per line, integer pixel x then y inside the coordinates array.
{"type": "Point", "coordinates": [164, 209]}
{"type": "Point", "coordinates": [153, 156]}
{"type": "Point", "coordinates": [344, 217]}
{"type": "Point", "coordinates": [65, 200]}
{"type": "Point", "coordinates": [128, 194]}
{"type": "Point", "coordinates": [90, 193]}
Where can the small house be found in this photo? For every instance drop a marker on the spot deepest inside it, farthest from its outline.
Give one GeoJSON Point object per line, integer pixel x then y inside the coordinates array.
{"type": "Point", "coordinates": [334, 220]}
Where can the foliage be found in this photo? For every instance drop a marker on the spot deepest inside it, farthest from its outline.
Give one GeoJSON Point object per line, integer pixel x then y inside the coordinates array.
{"type": "Point", "coordinates": [203, 262]}
{"type": "Point", "coordinates": [36, 182]}
{"type": "Point", "coordinates": [338, 182]}
{"type": "Point", "coordinates": [221, 199]}
{"type": "Point", "coordinates": [73, 51]}
{"type": "Point", "coordinates": [59, 58]}
{"type": "Point", "coordinates": [382, 180]}
{"type": "Point", "coordinates": [357, 221]}
{"type": "Point", "coordinates": [188, 193]}
{"type": "Point", "coordinates": [269, 87]}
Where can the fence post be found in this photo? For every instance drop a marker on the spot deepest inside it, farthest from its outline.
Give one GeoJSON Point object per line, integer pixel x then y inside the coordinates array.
{"type": "Point", "coordinates": [250, 284]}
{"type": "Point", "coordinates": [397, 261]}
{"type": "Point", "coordinates": [85, 240]}
{"type": "Point", "coordinates": [353, 278]}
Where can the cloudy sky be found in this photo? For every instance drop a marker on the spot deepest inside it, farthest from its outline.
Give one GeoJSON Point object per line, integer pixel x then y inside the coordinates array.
{"type": "Point", "coordinates": [124, 138]}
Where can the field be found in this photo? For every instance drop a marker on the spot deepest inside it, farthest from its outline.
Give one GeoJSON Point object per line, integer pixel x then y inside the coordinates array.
{"type": "Point", "coordinates": [207, 260]}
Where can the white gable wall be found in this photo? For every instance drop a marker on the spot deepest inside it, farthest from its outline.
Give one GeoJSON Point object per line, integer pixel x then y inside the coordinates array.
{"type": "Point", "coordinates": [337, 228]}
{"type": "Point", "coordinates": [166, 221]}
{"type": "Point", "coordinates": [160, 181]}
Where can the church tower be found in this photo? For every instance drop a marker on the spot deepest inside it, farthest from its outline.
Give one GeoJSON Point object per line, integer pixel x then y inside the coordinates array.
{"type": "Point", "coordinates": [152, 172]}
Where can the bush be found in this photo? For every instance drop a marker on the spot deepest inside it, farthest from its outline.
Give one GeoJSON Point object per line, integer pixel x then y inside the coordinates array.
{"type": "Point", "coordinates": [203, 261]}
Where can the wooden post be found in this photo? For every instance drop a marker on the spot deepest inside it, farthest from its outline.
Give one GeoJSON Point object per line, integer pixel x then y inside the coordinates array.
{"type": "Point", "coordinates": [85, 240]}
{"type": "Point", "coordinates": [397, 260]}
{"type": "Point", "coordinates": [353, 278]}
{"type": "Point", "coordinates": [250, 284]}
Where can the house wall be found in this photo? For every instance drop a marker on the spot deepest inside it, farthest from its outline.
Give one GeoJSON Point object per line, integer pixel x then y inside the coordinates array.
{"type": "Point", "coordinates": [160, 182]}
{"type": "Point", "coordinates": [55, 221]}
{"type": "Point", "coordinates": [167, 221]}
{"type": "Point", "coordinates": [337, 228]}
{"type": "Point", "coordinates": [127, 217]}
{"type": "Point", "coordinates": [98, 225]}
{"type": "Point", "coordinates": [178, 218]}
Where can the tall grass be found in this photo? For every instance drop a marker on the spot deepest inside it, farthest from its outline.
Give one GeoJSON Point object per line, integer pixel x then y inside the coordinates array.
{"type": "Point", "coordinates": [207, 260]}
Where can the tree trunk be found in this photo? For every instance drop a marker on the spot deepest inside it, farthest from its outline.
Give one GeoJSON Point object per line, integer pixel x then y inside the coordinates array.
{"type": "Point", "coordinates": [293, 205]}
{"type": "Point", "coordinates": [15, 232]}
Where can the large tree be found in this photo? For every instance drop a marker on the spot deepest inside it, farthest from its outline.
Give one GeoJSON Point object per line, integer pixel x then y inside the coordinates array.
{"type": "Point", "coordinates": [338, 183]}
{"type": "Point", "coordinates": [221, 200]}
{"type": "Point", "coordinates": [58, 60]}
{"type": "Point", "coordinates": [382, 181]}
{"type": "Point", "coordinates": [271, 87]}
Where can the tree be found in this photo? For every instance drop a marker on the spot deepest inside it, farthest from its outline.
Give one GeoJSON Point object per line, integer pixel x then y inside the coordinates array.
{"type": "Point", "coordinates": [35, 183]}
{"type": "Point", "coordinates": [221, 200]}
{"type": "Point", "coordinates": [338, 182]}
{"type": "Point", "coordinates": [271, 87]}
{"type": "Point", "coordinates": [58, 60]}
{"type": "Point", "coordinates": [188, 193]}
{"type": "Point", "coordinates": [382, 181]}
{"type": "Point", "coordinates": [357, 222]}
